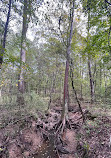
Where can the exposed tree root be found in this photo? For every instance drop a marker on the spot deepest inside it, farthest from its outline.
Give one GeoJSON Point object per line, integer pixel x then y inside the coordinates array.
{"type": "Point", "coordinates": [62, 125]}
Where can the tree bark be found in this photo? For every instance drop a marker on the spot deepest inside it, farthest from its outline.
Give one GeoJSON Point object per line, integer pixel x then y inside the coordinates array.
{"type": "Point", "coordinates": [21, 83]}
{"type": "Point", "coordinates": [105, 87]}
{"type": "Point", "coordinates": [65, 99]}
{"type": "Point", "coordinates": [71, 76]}
{"type": "Point", "coordinates": [91, 81]}
{"type": "Point", "coordinates": [89, 56]}
{"type": "Point", "coordinates": [81, 73]}
{"type": "Point", "coordinates": [5, 34]}
{"type": "Point", "coordinates": [52, 88]}
{"type": "Point", "coordinates": [100, 78]}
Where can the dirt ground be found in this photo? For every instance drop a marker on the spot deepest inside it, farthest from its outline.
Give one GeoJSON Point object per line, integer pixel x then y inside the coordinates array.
{"type": "Point", "coordinates": [37, 138]}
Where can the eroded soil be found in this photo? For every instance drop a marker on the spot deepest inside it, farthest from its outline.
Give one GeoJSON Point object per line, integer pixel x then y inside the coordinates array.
{"type": "Point", "coordinates": [37, 138]}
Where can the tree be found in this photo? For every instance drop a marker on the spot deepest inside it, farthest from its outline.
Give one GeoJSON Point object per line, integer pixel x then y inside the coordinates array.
{"type": "Point", "coordinates": [5, 34]}
{"type": "Point", "coordinates": [21, 84]}
{"type": "Point", "coordinates": [68, 51]}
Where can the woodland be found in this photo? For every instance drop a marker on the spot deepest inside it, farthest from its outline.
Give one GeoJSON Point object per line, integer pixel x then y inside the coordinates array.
{"type": "Point", "coordinates": [55, 86]}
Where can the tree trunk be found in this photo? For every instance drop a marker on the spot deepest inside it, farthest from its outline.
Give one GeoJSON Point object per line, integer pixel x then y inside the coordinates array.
{"type": "Point", "coordinates": [0, 92]}
{"type": "Point", "coordinates": [5, 34]}
{"type": "Point", "coordinates": [100, 78]}
{"type": "Point", "coordinates": [71, 76]}
{"type": "Point", "coordinates": [61, 85]}
{"type": "Point", "coordinates": [52, 88]}
{"type": "Point", "coordinates": [45, 88]}
{"type": "Point", "coordinates": [65, 99]}
{"type": "Point", "coordinates": [91, 81]}
{"type": "Point", "coordinates": [82, 88]}
{"type": "Point", "coordinates": [105, 87]}
{"type": "Point", "coordinates": [4, 38]}
{"type": "Point", "coordinates": [81, 73]}
{"type": "Point", "coordinates": [21, 83]}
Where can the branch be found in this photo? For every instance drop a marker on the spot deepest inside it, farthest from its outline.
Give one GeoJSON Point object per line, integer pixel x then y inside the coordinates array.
{"type": "Point", "coordinates": [62, 38]}
{"type": "Point", "coordinates": [107, 2]}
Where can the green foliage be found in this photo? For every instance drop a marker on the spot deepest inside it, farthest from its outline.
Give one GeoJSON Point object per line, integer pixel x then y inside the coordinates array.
{"type": "Point", "coordinates": [32, 101]}
{"type": "Point", "coordinates": [35, 103]}
{"type": "Point", "coordinates": [13, 113]}
{"type": "Point", "coordinates": [55, 46]}
{"type": "Point", "coordinates": [8, 100]}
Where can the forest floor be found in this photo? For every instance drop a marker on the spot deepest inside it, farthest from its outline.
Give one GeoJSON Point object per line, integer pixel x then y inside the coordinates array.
{"type": "Point", "coordinates": [38, 137]}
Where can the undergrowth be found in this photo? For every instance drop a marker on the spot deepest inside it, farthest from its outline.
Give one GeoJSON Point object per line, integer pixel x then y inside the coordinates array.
{"type": "Point", "coordinates": [11, 111]}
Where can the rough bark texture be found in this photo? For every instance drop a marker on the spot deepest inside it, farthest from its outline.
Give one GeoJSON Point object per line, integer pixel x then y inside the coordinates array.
{"type": "Point", "coordinates": [21, 83]}
{"type": "Point", "coordinates": [66, 101]}
{"type": "Point", "coordinates": [5, 34]}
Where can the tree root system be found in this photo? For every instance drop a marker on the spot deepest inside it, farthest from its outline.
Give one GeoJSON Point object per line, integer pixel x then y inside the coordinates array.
{"type": "Point", "coordinates": [48, 136]}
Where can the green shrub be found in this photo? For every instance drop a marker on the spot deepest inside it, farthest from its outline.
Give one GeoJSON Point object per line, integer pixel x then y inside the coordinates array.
{"type": "Point", "coordinates": [34, 102]}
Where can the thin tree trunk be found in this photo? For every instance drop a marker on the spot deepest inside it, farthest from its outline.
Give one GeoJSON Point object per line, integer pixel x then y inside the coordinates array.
{"type": "Point", "coordinates": [94, 80]}
{"type": "Point", "coordinates": [105, 86]}
{"type": "Point", "coordinates": [71, 76]}
{"type": "Point", "coordinates": [45, 88]}
{"type": "Point", "coordinates": [82, 86]}
{"type": "Point", "coordinates": [91, 82]}
{"type": "Point", "coordinates": [89, 56]}
{"type": "Point", "coordinates": [0, 92]}
{"type": "Point", "coordinates": [52, 89]}
{"type": "Point", "coordinates": [65, 103]}
{"type": "Point", "coordinates": [5, 34]}
{"type": "Point", "coordinates": [100, 78]}
{"type": "Point", "coordinates": [81, 73]}
{"type": "Point", "coordinates": [39, 84]}
{"type": "Point", "coordinates": [61, 85]}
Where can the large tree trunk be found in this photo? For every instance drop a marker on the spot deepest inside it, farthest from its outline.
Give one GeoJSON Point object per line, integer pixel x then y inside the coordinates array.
{"type": "Point", "coordinates": [5, 34]}
{"type": "Point", "coordinates": [4, 39]}
{"type": "Point", "coordinates": [21, 83]}
{"type": "Point", "coordinates": [66, 96]}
